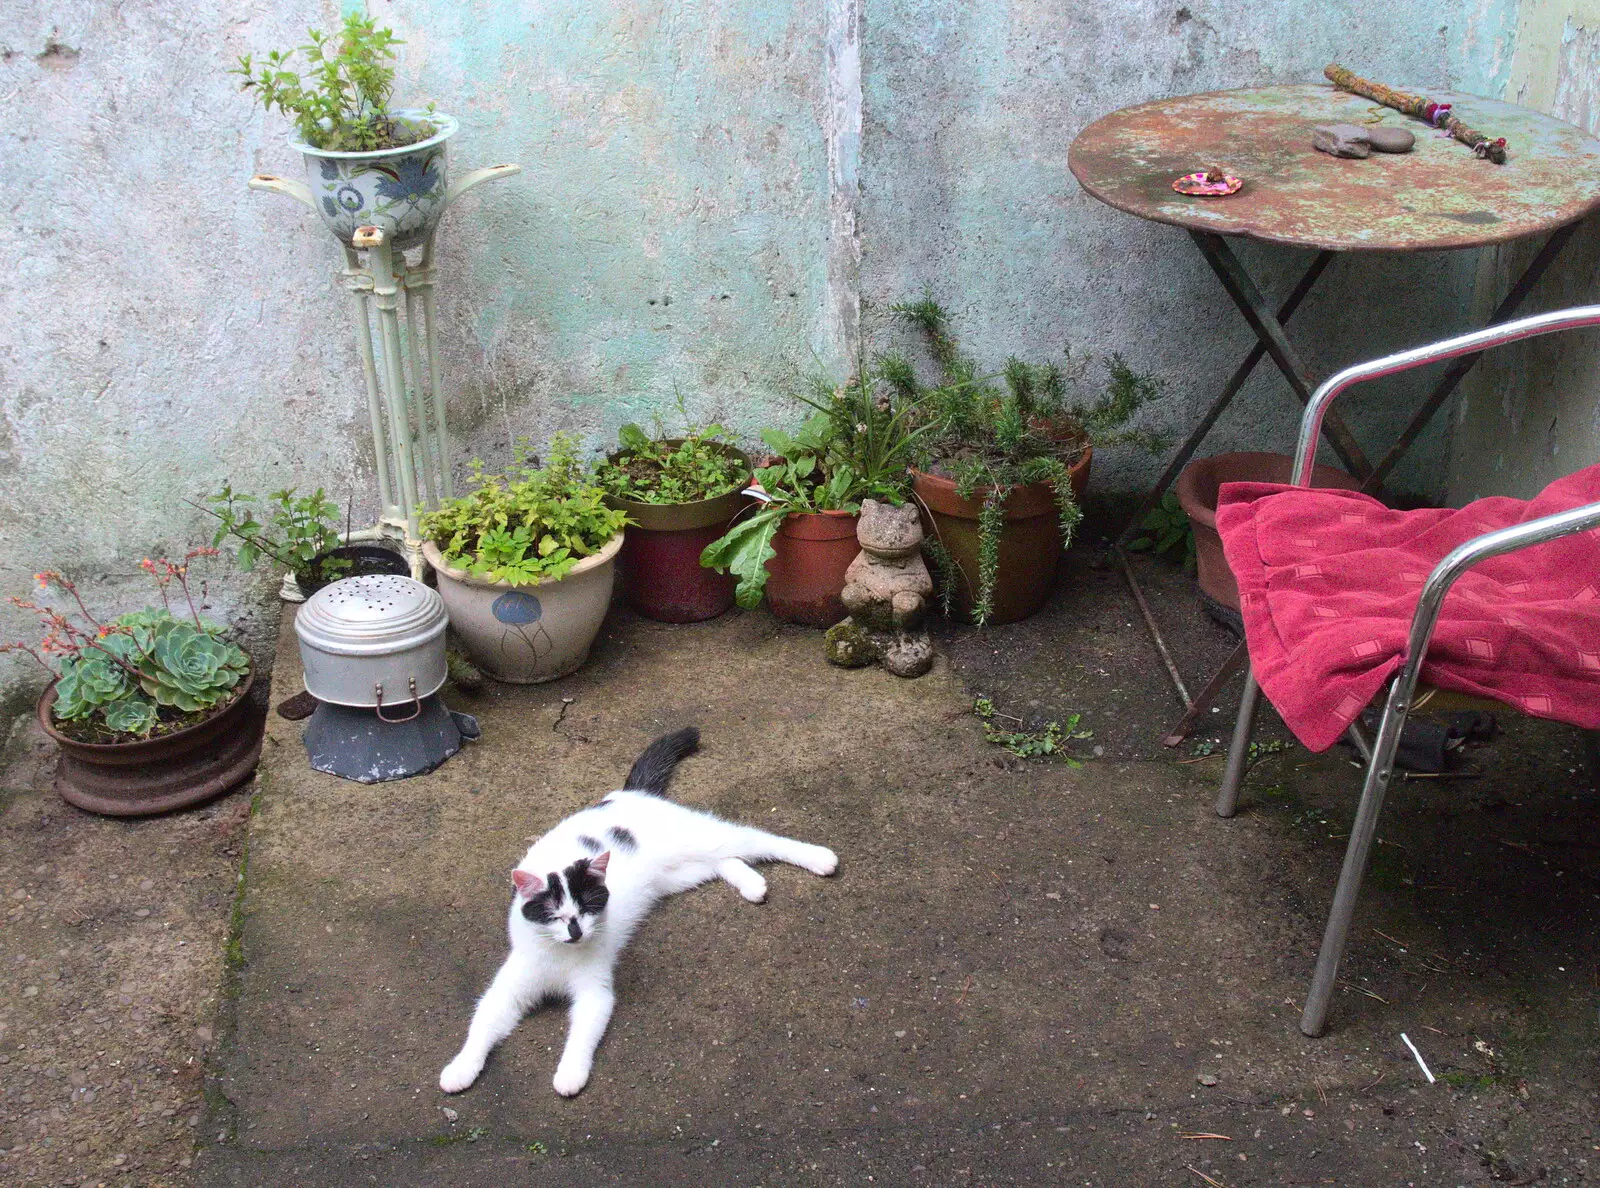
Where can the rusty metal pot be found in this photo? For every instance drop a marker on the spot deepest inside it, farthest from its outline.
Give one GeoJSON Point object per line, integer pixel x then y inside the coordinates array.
{"type": "Point", "coordinates": [157, 775]}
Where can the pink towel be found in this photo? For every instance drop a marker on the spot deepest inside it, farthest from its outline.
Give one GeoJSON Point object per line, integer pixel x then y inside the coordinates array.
{"type": "Point", "coordinates": [1328, 582]}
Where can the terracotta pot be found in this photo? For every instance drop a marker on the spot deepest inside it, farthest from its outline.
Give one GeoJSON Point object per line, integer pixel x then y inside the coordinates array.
{"type": "Point", "coordinates": [805, 577]}
{"type": "Point", "coordinates": [1030, 542]}
{"type": "Point", "coordinates": [157, 775]}
{"type": "Point", "coordinates": [1197, 489]}
{"type": "Point", "coordinates": [662, 577]}
{"type": "Point", "coordinates": [525, 635]}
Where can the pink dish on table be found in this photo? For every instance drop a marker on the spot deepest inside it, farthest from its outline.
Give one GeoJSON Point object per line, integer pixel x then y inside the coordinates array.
{"type": "Point", "coordinates": [1204, 184]}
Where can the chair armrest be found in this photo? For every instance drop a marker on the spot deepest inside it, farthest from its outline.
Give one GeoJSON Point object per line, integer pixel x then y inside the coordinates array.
{"type": "Point", "coordinates": [1464, 344]}
{"type": "Point", "coordinates": [1464, 557]}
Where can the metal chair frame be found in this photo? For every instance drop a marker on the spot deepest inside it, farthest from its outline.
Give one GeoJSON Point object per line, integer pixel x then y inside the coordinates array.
{"type": "Point", "coordinates": [1379, 753]}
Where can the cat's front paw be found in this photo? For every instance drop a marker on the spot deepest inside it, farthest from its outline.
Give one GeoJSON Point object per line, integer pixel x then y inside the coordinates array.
{"type": "Point", "coordinates": [459, 1074]}
{"type": "Point", "coordinates": [821, 861]}
{"type": "Point", "coordinates": [569, 1082]}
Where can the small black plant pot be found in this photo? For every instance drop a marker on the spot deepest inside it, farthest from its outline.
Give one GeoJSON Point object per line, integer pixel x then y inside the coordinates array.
{"type": "Point", "coordinates": [363, 559]}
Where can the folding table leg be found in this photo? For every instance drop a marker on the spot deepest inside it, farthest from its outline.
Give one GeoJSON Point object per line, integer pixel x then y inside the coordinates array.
{"type": "Point", "coordinates": [1220, 404]}
{"type": "Point", "coordinates": [1203, 699]}
{"type": "Point", "coordinates": [1239, 749]}
{"type": "Point", "coordinates": [1459, 368]}
{"type": "Point", "coordinates": [1270, 331]}
{"type": "Point", "coordinates": [1379, 770]}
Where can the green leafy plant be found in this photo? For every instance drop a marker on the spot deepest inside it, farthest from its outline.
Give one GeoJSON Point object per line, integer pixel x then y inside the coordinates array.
{"type": "Point", "coordinates": [142, 673]}
{"type": "Point", "coordinates": [660, 471]}
{"type": "Point", "coordinates": [1166, 528]}
{"type": "Point", "coordinates": [991, 439]}
{"type": "Point", "coordinates": [341, 100]}
{"type": "Point", "coordinates": [529, 525]}
{"type": "Point", "coordinates": [294, 530]}
{"type": "Point", "coordinates": [857, 444]}
{"type": "Point", "coordinates": [1051, 742]}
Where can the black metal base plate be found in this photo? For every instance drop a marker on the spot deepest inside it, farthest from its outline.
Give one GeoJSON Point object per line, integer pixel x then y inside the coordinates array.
{"type": "Point", "coordinates": [355, 744]}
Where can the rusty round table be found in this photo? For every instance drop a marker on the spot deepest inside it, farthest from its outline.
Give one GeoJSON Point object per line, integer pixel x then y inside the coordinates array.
{"type": "Point", "coordinates": [1437, 197]}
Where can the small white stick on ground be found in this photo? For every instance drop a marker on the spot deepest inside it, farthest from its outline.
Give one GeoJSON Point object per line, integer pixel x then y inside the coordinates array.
{"type": "Point", "coordinates": [1421, 1063]}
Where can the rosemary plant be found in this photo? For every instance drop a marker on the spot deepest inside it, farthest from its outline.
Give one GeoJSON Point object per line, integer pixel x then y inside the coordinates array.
{"type": "Point", "coordinates": [992, 438]}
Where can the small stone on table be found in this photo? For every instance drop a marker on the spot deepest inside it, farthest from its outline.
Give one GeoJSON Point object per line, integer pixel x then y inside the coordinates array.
{"type": "Point", "coordinates": [1341, 140]}
{"type": "Point", "coordinates": [1390, 140]}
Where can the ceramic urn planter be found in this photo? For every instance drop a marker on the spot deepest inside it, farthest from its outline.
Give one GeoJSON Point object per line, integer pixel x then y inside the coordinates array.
{"type": "Point", "coordinates": [525, 635]}
{"type": "Point", "coordinates": [400, 190]}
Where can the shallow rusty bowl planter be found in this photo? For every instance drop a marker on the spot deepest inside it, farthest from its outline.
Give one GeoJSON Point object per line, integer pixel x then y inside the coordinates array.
{"type": "Point", "coordinates": [662, 577]}
{"type": "Point", "coordinates": [1030, 542]}
{"type": "Point", "coordinates": [1197, 489]}
{"type": "Point", "coordinates": [157, 775]}
{"type": "Point", "coordinates": [805, 577]}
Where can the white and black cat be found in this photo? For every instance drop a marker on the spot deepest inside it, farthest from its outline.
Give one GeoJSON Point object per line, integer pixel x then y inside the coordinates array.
{"type": "Point", "coordinates": [584, 887]}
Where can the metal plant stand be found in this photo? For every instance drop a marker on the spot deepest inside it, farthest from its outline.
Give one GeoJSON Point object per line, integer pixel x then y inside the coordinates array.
{"type": "Point", "coordinates": [393, 313]}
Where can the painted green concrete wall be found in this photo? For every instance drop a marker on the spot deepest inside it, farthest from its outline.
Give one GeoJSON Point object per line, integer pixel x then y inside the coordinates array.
{"type": "Point", "coordinates": [718, 196]}
{"type": "Point", "coordinates": [1532, 412]}
{"type": "Point", "coordinates": [668, 234]}
{"type": "Point", "coordinates": [970, 112]}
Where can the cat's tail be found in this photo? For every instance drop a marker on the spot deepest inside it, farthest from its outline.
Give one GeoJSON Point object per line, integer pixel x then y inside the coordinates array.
{"type": "Point", "coordinates": [652, 771]}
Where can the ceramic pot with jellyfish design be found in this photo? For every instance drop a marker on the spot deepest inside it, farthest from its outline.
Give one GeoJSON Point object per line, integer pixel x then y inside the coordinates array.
{"type": "Point", "coordinates": [402, 190]}
{"type": "Point", "coordinates": [528, 634]}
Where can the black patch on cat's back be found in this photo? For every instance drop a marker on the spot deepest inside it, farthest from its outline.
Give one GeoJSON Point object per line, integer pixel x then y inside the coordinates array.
{"type": "Point", "coordinates": [589, 843]}
{"type": "Point", "coordinates": [623, 839]}
{"type": "Point", "coordinates": [588, 889]}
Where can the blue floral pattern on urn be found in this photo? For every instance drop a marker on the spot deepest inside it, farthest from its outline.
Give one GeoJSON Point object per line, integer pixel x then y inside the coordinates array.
{"type": "Point", "coordinates": [401, 190]}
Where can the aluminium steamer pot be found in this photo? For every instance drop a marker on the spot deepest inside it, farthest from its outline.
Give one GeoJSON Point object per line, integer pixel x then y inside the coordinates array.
{"type": "Point", "coordinates": [373, 641]}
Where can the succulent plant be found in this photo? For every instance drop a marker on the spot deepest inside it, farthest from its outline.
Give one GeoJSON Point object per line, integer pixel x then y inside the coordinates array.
{"type": "Point", "coordinates": [188, 667]}
{"type": "Point", "coordinates": [131, 715]}
{"type": "Point", "coordinates": [180, 665]}
{"type": "Point", "coordinates": [88, 683]}
{"type": "Point", "coordinates": [142, 671]}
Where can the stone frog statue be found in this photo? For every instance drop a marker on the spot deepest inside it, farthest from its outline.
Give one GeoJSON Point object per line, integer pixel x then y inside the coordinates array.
{"type": "Point", "coordinates": [886, 591]}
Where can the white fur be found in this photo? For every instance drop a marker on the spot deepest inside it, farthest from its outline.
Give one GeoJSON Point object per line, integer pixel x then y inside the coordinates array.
{"type": "Point", "coordinates": [677, 848]}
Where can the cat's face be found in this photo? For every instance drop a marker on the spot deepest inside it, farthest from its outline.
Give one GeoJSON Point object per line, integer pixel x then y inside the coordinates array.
{"type": "Point", "coordinates": [564, 906]}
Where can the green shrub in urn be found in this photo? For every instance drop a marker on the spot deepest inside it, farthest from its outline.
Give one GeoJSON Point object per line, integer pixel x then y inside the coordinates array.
{"type": "Point", "coordinates": [528, 525]}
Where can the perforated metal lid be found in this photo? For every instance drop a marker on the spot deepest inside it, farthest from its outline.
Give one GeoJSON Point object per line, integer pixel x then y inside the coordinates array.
{"type": "Point", "coordinates": [374, 615]}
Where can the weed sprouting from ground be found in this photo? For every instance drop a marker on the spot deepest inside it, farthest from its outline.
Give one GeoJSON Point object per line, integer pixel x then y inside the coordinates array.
{"type": "Point", "coordinates": [1048, 743]}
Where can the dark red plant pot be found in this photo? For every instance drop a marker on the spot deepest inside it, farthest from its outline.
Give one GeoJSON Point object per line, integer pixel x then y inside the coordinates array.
{"type": "Point", "coordinates": [1197, 489]}
{"type": "Point", "coordinates": [661, 574]}
{"type": "Point", "coordinates": [157, 775]}
{"type": "Point", "coordinates": [662, 577]}
{"type": "Point", "coordinates": [1030, 542]}
{"type": "Point", "coordinates": [805, 578]}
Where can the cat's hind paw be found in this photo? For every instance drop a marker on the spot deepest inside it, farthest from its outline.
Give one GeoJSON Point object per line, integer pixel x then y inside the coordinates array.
{"type": "Point", "coordinates": [459, 1074]}
{"type": "Point", "coordinates": [569, 1082]}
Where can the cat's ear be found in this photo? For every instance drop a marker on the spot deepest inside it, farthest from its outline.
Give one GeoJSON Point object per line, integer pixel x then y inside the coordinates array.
{"type": "Point", "coordinates": [527, 882]}
{"type": "Point", "coordinates": [597, 866]}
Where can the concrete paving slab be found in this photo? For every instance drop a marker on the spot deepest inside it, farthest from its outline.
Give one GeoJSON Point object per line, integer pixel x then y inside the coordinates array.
{"type": "Point", "coordinates": [1024, 973]}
